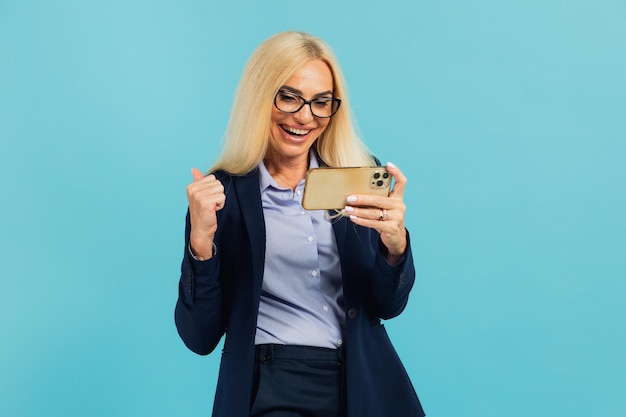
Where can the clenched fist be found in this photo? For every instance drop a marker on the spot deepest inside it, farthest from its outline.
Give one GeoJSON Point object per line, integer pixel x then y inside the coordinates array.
{"type": "Point", "coordinates": [206, 197]}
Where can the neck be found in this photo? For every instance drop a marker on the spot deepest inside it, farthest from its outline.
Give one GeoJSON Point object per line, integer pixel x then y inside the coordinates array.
{"type": "Point", "coordinates": [287, 173]}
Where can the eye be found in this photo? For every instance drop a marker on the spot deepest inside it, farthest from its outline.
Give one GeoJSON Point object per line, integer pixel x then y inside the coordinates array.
{"type": "Point", "coordinates": [287, 97]}
{"type": "Point", "coordinates": [322, 103]}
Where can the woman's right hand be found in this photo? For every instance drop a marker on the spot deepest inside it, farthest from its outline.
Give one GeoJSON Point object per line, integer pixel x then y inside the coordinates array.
{"type": "Point", "coordinates": [206, 196]}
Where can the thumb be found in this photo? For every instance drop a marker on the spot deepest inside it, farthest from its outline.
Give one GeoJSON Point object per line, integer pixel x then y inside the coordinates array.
{"type": "Point", "coordinates": [197, 175]}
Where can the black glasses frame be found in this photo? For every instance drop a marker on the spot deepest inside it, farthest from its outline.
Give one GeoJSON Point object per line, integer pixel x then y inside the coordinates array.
{"type": "Point", "coordinates": [336, 101]}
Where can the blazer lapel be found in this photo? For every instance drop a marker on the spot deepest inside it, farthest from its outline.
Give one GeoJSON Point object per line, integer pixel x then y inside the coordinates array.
{"type": "Point", "coordinates": [339, 227]}
{"type": "Point", "coordinates": [249, 199]}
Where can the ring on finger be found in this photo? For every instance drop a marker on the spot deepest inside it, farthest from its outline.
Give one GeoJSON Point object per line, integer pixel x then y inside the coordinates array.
{"type": "Point", "coordinates": [382, 215]}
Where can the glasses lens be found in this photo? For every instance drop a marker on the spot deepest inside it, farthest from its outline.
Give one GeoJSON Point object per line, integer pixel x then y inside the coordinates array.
{"type": "Point", "coordinates": [323, 107]}
{"type": "Point", "coordinates": [287, 102]}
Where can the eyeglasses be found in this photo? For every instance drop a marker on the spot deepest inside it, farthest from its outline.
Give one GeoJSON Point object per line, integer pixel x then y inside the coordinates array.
{"type": "Point", "coordinates": [322, 107]}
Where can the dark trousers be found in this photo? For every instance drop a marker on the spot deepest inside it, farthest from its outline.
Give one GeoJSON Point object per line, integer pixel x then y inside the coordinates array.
{"type": "Point", "coordinates": [298, 381]}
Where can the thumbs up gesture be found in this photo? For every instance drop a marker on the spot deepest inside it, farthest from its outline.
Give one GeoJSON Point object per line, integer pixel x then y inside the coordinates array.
{"type": "Point", "coordinates": [206, 197]}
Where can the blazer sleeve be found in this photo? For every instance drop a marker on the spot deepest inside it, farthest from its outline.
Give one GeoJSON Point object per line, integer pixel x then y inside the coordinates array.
{"type": "Point", "coordinates": [391, 285]}
{"type": "Point", "coordinates": [199, 315]}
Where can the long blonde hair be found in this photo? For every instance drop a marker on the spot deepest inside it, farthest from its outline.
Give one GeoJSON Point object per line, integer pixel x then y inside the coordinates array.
{"type": "Point", "coordinates": [269, 67]}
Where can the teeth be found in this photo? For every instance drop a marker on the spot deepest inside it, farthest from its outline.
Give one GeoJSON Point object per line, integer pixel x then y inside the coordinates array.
{"type": "Point", "coordinates": [295, 131]}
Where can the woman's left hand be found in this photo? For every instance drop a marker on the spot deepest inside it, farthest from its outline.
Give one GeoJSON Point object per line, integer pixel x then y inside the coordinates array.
{"type": "Point", "coordinates": [384, 214]}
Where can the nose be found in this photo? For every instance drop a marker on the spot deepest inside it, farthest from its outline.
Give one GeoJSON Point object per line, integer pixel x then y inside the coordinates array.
{"type": "Point", "coordinates": [304, 115]}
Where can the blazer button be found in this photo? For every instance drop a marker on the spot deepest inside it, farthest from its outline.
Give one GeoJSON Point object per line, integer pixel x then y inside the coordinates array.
{"type": "Point", "coordinates": [352, 313]}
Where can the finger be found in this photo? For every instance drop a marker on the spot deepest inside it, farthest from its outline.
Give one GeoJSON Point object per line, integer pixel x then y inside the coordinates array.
{"type": "Point", "coordinates": [372, 201]}
{"type": "Point", "coordinates": [213, 192]}
{"type": "Point", "coordinates": [367, 222]}
{"type": "Point", "coordinates": [197, 174]}
{"type": "Point", "coordinates": [212, 202]}
{"type": "Point", "coordinates": [219, 203]}
{"type": "Point", "coordinates": [205, 190]}
{"type": "Point", "coordinates": [400, 181]}
{"type": "Point", "coordinates": [376, 214]}
{"type": "Point", "coordinates": [387, 228]}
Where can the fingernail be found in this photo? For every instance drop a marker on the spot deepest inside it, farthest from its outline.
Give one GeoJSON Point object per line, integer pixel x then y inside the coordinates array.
{"type": "Point", "coordinates": [349, 209]}
{"type": "Point", "coordinates": [352, 217]}
{"type": "Point", "coordinates": [390, 164]}
{"type": "Point", "coordinates": [351, 199]}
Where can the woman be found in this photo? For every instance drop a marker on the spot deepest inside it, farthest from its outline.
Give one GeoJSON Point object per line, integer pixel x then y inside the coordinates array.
{"type": "Point", "coordinates": [299, 294]}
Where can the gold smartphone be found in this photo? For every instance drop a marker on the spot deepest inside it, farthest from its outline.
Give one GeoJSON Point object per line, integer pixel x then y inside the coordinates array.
{"type": "Point", "coordinates": [327, 188]}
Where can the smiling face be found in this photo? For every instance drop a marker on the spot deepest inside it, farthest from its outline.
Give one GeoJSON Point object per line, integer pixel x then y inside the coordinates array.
{"type": "Point", "coordinates": [292, 134]}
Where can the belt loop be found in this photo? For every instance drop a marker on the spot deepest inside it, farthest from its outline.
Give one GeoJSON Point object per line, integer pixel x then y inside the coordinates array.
{"type": "Point", "coordinates": [340, 358]}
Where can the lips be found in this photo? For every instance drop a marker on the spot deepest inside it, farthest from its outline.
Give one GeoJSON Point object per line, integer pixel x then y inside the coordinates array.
{"type": "Point", "coordinates": [294, 131]}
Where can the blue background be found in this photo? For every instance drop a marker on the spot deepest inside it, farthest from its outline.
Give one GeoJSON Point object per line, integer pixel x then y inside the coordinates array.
{"type": "Point", "coordinates": [508, 117]}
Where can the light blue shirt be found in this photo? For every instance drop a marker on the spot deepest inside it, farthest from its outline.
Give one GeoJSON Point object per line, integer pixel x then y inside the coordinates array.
{"type": "Point", "coordinates": [302, 293]}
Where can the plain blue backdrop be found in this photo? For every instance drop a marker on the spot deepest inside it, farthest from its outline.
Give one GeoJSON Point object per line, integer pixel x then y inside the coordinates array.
{"type": "Point", "coordinates": [508, 117]}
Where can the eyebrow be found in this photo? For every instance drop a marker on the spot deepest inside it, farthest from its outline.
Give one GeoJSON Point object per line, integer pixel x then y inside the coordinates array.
{"type": "Point", "coordinates": [296, 91]}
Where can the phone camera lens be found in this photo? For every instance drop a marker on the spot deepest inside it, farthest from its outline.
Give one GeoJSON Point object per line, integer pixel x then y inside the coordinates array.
{"type": "Point", "coordinates": [377, 175]}
{"type": "Point", "coordinates": [379, 183]}
{"type": "Point", "coordinates": [386, 175]}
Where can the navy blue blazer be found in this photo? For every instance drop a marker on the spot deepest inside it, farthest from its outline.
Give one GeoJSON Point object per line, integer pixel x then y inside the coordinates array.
{"type": "Point", "coordinates": [221, 296]}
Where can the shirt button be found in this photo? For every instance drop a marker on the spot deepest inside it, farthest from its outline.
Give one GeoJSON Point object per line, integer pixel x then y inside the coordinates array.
{"type": "Point", "coordinates": [339, 342]}
{"type": "Point", "coordinates": [302, 212]}
{"type": "Point", "coordinates": [352, 313]}
{"type": "Point", "coordinates": [314, 273]}
{"type": "Point", "coordinates": [310, 238]}
{"type": "Point", "coordinates": [325, 308]}
{"type": "Point", "coordinates": [298, 192]}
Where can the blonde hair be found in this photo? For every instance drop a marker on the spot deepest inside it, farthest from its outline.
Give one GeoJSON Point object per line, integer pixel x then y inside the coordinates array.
{"type": "Point", "coordinates": [269, 67]}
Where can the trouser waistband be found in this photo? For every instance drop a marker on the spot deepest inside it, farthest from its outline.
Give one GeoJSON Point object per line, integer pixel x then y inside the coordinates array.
{"type": "Point", "coordinates": [267, 352]}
